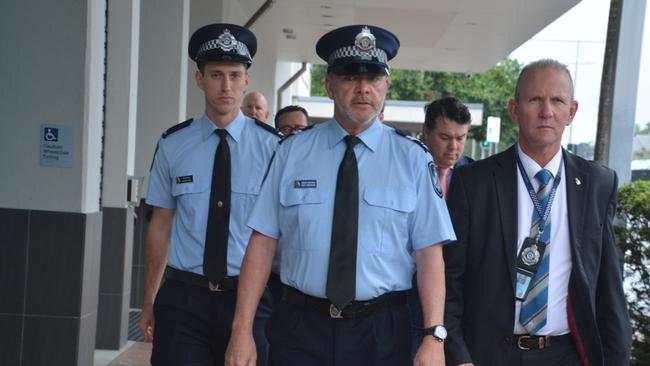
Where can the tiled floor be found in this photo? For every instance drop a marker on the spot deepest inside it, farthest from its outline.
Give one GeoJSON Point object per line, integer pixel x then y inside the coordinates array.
{"type": "Point", "coordinates": [134, 333]}
{"type": "Point", "coordinates": [133, 354]}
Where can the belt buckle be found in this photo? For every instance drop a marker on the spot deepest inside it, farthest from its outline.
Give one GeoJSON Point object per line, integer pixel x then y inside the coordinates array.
{"type": "Point", "coordinates": [335, 313]}
{"type": "Point", "coordinates": [215, 288]}
{"type": "Point", "coordinates": [519, 345]}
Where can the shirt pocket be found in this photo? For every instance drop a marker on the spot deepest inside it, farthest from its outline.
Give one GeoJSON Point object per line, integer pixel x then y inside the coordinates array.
{"type": "Point", "coordinates": [384, 221]}
{"type": "Point", "coordinates": [243, 199]}
{"type": "Point", "coordinates": [301, 213]}
{"type": "Point", "coordinates": [192, 202]}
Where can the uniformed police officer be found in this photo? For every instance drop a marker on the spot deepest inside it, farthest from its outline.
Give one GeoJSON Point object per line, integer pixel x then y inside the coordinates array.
{"type": "Point", "coordinates": [205, 178]}
{"type": "Point", "coordinates": [354, 205]}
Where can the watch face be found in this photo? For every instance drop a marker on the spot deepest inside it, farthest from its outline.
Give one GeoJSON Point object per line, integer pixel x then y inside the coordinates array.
{"type": "Point", "coordinates": [440, 332]}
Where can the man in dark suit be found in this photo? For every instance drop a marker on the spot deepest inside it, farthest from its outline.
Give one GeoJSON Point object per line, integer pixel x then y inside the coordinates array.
{"type": "Point", "coordinates": [525, 288]}
{"type": "Point", "coordinates": [445, 127]}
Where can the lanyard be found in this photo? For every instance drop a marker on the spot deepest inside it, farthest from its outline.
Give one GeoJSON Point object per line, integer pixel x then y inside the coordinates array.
{"type": "Point", "coordinates": [542, 212]}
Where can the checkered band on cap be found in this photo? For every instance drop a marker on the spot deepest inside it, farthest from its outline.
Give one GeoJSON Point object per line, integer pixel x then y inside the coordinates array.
{"type": "Point", "coordinates": [226, 42]}
{"type": "Point", "coordinates": [353, 51]}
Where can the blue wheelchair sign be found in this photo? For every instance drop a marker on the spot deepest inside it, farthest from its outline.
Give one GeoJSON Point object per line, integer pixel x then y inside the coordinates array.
{"type": "Point", "coordinates": [51, 134]}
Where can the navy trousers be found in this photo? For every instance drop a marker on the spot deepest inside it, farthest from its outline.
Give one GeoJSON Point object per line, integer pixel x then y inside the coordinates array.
{"type": "Point", "coordinates": [275, 288]}
{"type": "Point", "coordinates": [417, 320]}
{"type": "Point", "coordinates": [193, 325]}
{"type": "Point", "coordinates": [302, 337]}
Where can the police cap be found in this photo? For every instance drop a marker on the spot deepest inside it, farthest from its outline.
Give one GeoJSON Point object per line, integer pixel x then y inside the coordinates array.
{"type": "Point", "coordinates": [358, 49]}
{"type": "Point", "coordinates": [223, 42]}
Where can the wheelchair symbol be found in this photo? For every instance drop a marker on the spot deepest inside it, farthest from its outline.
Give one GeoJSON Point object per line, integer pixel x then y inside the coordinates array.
{"type": "Point", "coordinates": [51, 134]}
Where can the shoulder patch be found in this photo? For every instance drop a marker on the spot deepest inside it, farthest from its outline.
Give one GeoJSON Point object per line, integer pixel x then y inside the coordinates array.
{"type": "Point", "coordinates": [293, 134]}
{"type": "Point", "coordinates": [268, 128]}
{"type": "Point", "coordinates": [409, 137]}
{"type": "Point", "coordinates": [435, 178]}
{"type": "Point", "coordinates": [177, 127]}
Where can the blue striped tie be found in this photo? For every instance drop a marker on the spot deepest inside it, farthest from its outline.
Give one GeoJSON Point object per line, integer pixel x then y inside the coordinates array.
{"type": "Point", "coordinates": [533, 309]}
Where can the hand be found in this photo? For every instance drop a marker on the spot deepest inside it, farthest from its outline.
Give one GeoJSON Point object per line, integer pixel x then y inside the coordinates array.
{"type": "Point", "coordinates": [241, 350]}
{"type": "Point", "coordinates": [147, 322]}
{"type": "Point", "coordinates": [430, 353]}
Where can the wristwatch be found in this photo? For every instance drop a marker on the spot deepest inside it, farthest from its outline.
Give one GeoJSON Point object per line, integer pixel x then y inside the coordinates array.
{"type": "Point", "coordinates": [437, 331]}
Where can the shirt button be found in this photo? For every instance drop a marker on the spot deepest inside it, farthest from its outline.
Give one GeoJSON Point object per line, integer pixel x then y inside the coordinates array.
{"type": "Point", "coordinates": [219, 204]}
{"type": "Point", "coordinates": [506, 340]}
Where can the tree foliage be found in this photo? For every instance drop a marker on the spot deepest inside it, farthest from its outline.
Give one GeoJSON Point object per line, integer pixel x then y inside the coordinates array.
{"type": "Point", "coordinates": [633, 236]}
{"type": "Point", "coordinates": [492, 88]}
{"type": "Point", "coordinates": [318, 73]}
{"type": "Point", "coordinates": [642, 130]}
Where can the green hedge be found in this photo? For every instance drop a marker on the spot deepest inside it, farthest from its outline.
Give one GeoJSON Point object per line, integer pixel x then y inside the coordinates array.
{"type": "Point", "coordinates": [633, 234]}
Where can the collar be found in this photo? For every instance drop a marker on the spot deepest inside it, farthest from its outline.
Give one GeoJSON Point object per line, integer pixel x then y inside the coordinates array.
{"type": "Point", "coordinates": [370, 137]}
{"type": "Point", "coordinates": [234, 127]}
{"type": "Point", "coordinates": [531, 167]}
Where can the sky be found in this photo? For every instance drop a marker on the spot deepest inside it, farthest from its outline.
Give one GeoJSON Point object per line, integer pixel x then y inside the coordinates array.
{"type": "Point", "coordinates": [577, 39]}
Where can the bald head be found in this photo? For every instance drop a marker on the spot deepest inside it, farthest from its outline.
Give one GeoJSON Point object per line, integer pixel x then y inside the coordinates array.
{"type": "Point", "coordinates": [541, 65]}
{"type": "Point", "coordinates": [255, 106]}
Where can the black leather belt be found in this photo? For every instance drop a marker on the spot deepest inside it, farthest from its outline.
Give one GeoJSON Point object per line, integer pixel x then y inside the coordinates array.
{"type": "Point", "coordinates": [226, 283]}
{"type": "Point", "coordinates": [526, 342]}
{"type": "Point", "coordinates": [354, 310]}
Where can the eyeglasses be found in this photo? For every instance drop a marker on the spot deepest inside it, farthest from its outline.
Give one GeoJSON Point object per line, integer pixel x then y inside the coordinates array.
{"type": "Point", "coordinates": [288, 130]}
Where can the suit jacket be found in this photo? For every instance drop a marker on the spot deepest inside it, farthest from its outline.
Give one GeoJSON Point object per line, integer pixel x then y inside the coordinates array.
{"type": "Point", "coordinates": [480, 304]}
{"type": "Point", "coordinates": [464, 160]}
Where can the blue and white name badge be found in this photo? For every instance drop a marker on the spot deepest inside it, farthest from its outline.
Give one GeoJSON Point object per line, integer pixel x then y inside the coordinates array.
{"type": "Point", "coordinates": [185, 179]}
{"type": "Point", "coordinates": [307, 183]}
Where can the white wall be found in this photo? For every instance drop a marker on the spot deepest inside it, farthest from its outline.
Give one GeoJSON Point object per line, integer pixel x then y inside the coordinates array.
{"type": "Point", "coordinates": [52, 72]}
{"type": "Point", "coordinates": [121, 100]}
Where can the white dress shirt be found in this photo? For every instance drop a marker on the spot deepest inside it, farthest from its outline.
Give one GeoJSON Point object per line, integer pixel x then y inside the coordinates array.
{"type": "Point", "coordinates": [560, 253]}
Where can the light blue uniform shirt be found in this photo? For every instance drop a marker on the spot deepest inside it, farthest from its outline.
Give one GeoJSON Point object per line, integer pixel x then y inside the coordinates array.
{"type": "Point", "coordinates": [399, 211]}
{"type": "Point", "coordinates": [181, 177]}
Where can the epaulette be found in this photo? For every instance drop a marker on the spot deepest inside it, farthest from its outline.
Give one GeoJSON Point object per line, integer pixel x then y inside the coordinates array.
{"type": "Point", "coordinates": [301, 131]}
{"type": "Point", "coordinates": [177, 127]}
{"type": "Point", "coordinates": [268, 128]}
{"type": "Point", "coordinates": [409, 137]}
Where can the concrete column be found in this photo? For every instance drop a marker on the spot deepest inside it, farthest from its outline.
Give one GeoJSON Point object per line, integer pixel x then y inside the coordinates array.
{"type": "Point", "coordinates": [263, 77]}
{"type": "Point", "coordinates": [162, 102]}
{"type": "Point", "coordinates": [119, 156]}
{"type": "Point", "coordinates": [162, 77]}
{"type": "Point", "coordinates": [52, 70]}
{"type": "Point", "coordinates": [625, 89]}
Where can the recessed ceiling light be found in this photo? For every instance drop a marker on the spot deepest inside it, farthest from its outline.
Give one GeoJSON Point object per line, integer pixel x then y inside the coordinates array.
{"type": "Point", "coordinates": [326, 15]}
{"type": "Point", "coordinates": [287, 30]}
{"type": "Point", "coordinates": [325, 7]}
{"type": "Point", "coordinates": [290, 36]}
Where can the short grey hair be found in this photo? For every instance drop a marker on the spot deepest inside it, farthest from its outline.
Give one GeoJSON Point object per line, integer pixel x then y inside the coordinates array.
{"type": "Point", "coordinates": [545, 63]}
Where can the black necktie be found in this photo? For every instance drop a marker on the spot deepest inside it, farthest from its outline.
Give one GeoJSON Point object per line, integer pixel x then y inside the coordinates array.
{"type": "Point", "coordinates": [341, 274]}
{"type": "Point", "coordinates": [215, 255]}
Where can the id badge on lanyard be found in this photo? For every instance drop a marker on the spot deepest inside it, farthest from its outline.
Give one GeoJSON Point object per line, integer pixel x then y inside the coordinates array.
{"type": "Point", "coordinates": [532, 249]}
{"type": "Point", "coordinates": [528, 260]}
